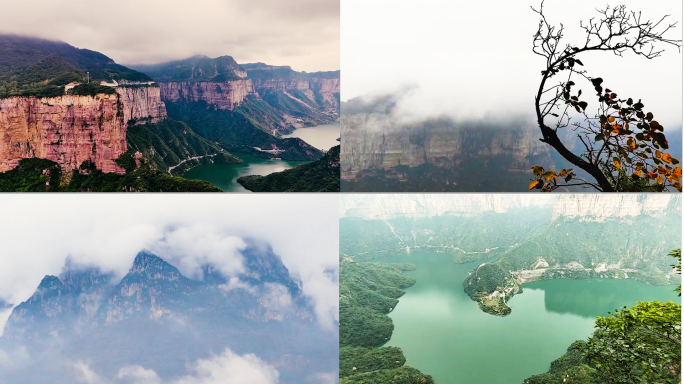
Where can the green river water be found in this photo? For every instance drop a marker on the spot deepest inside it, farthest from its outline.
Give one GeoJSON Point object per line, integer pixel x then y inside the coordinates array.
{"type": "Point", "coordinates": [225, 176]}
{"type": "Point", "coordinates": [443, 333]}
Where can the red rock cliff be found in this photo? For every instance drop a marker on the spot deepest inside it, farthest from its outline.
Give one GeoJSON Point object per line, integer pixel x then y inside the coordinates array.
{"type": "Point", "coordinates": [326, 87]}
{"type": "Point", "coordinates": [142, 103]}
{"type": "Point", "coordinates": [68, 130]}
{"type": "Point", "coordinates": [224, 95]}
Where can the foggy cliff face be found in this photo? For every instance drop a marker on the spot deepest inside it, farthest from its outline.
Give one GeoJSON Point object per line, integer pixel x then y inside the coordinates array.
{"type": "Point", "coordinates": [486, 155]}
{"type": "Point", "coordinates": [156, 318]}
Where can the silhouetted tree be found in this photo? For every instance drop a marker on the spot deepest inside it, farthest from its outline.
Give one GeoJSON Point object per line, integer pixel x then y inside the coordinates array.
{"type": "Point", "coordinates": [623, 147]}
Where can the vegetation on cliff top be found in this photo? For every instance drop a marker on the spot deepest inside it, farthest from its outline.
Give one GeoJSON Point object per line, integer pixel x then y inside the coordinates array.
{"type": "Point", "coordinates": [322, 175]}
{"type": "Point", "coordinates": [368, 292]}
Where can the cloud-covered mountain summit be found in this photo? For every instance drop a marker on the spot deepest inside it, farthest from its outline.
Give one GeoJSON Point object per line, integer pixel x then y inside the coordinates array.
{"type": "Point", "coordinates": [157, 318]}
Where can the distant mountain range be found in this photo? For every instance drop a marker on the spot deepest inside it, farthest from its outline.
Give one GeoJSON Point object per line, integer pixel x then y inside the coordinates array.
{"type": "Point", "coordinates": [157, 318]}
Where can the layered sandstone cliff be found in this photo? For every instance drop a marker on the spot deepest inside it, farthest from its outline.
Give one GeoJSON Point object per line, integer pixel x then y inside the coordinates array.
{"type": "Point", "coordinates": [223, 95]}
{"type": "Point", "coordinates": [379, 141]}
{"type": "Point", "coordinates": [388, 206]}
{"type": "Point", "coordinates": [599, 208]}
{"type": "Point", "coordinates": [142, 104]}
{"type": "Point", "coordinates": [68, 130]}
{"type": "Point", "coordinates": [327, 88]}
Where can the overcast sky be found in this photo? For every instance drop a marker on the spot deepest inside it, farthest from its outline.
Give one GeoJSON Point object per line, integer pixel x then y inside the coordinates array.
{"type": "Point", "coordinates": [469, 58]}
{"type": "Point", "coordinates": [304, 34]}
{"type": "Point", "coordinates": [108, 230]}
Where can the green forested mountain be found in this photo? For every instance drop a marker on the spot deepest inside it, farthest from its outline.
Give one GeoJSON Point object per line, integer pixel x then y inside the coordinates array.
{"type": "Point", "coordinates": [195, 68]}
{"type": "Point", "coordinates": [38, 67]}
{"type": "Point", "coordinates": [575, 249]}
{"type": "Point", "coordinates": [322, 175]}
{"type": "Point", "coordinates": [368, 292]}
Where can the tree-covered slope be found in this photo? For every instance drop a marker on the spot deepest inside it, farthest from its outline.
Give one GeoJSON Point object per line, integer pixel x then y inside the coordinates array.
{"type": "Point", "coordinates": [42, 175]}
{"type": "Point", "coordinates": [468, 238]}
{"type": "Point", "coordinates": [368, 292]}
{"type": "Point", "coordinates": [243, 129]}
{"type": "Point", "coordinates": [172, 146]}
{"type": "Point", "coordinates": [322, 175]}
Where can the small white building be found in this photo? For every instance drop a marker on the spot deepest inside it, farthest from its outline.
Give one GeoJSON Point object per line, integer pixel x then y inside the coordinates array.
{"type": "Point", "coordinates": [70, 86]}
{"type": "Point", "coordinates": [113, 84]}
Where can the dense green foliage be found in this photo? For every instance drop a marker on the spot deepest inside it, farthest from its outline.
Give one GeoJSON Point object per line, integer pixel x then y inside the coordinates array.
{"type": "Point", "coordinates": [368, 292]}
{"type": "Point", "coordinates": [571, 368]}
{"type": "Point", "coordinates": [641, 344]}
{"type": "Point", "coordinates": [91, 89]}
{"type": "Point", "coordinates": [241, 129]}
{"type": "Point", "coordinates": [322, 175]}
{"type": "Point", "coordinates": [36, 67]}
{"type": "Point", "coordinates": [168, 143]}
{"type": "Point", "coordinates": [41, 175]}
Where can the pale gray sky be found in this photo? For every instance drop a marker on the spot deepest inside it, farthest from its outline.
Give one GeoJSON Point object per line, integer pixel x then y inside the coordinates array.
{"type": "Point", "coordinates": [109, 230]}
{"type": "Point", "coordinates": [469, 58]}
{"type": "Point", "coordinates": [304, 34]}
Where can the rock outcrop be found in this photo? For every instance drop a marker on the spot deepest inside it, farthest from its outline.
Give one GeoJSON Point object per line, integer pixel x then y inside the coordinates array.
{"type": "Point", "coordinates": [594, 207]}
{"type": "Point", "coordinates": [68, 130]}
{"type": "Point", "coordinates": [385, 207]}
{"type": "Point", "coordinates": [142, 104]}
{"type": "Point", "coordinates": [327, 88]}
{"type": "Point", "coordinates": [223, 95]}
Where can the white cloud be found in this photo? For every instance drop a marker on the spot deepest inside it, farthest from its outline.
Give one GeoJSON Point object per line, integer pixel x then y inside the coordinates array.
{"type": "Point", "coordinates": [229, 367]}
{"type": "Point", "coordinates": [277, 296]}
{"type": "Point", "coordinates": [109, 230]}
{"type": "Point", "coordinates": [135, 374]}
{"type": "Point", "coordinates": [468, 59]}
{"type": "Point", "coordinates": [87, 375]}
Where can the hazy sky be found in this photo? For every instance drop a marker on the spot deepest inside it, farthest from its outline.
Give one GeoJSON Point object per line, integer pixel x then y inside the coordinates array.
{"type": "Point", "coordinates": [468, 58]}
{"type": "Point", "coordinates": [109, 230]}
{"type": "Point", "coordinates": [304, 34]}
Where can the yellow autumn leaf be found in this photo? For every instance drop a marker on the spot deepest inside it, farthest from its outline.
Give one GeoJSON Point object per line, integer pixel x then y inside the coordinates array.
{"type": "Point", "coordinates": [537, 170]}
{"type": "Point", "coordinates": [660, 179]}
{"type": "Point", "coordinates": [678, 186]}
{"type": "Point", "coordinates": [611, 119]}
{"type": "Point", "coordinates": [667, 158]}
{"type": "Point", "coordinates": [677, 171]}
{"type": "Point", "coordinates": [658, 154]}
{"type": "Point", "coordinates": [548, 175]}
{"type": "Point", "coordinates": [617, 164]}
{"type": "Point", "coordinates": [534, 184]}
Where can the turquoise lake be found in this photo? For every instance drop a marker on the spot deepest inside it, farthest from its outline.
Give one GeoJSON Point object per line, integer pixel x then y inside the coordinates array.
{"type": "Point", "coordinates": [443, 333]}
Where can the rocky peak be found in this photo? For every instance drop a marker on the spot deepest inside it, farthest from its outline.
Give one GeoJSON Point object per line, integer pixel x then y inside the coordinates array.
{"type": "Point", "coordinates": [263, 266]}
{"type": "Point", "coordinates": [147, 263]}
{"type": "Point", "coordinates": [50, 282]}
